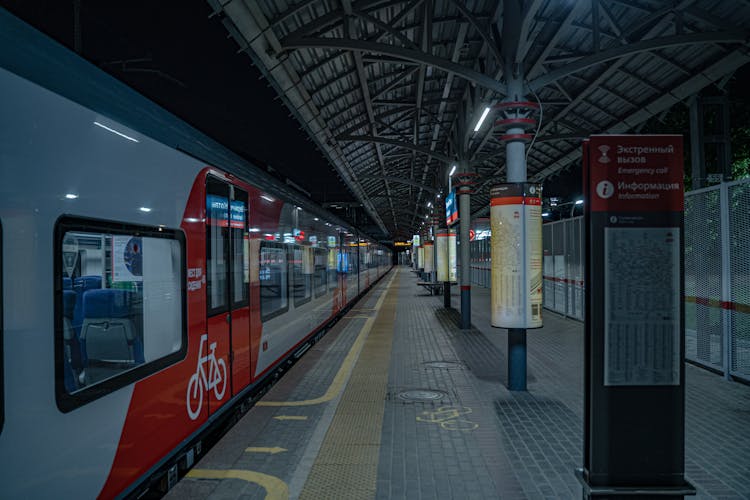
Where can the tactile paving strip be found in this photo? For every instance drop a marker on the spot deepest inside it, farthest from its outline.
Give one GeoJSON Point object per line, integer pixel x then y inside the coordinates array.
{"type": "Point", "coordinates": [347, 464]}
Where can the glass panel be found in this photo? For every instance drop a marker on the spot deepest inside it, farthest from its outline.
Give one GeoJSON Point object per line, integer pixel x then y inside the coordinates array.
{"type": "Point", "coordinates": [273, 280]}
{"type": "Point", "coordinates": [217, 235]}
{"type": "Point", "coordinates": [122, 304]}
{"type": "Point", "coordinates": [302, 270]}
{"type": "Point", "coordinates": [321, 260]}
{"type": "Point", "coordinates": [240, 249]}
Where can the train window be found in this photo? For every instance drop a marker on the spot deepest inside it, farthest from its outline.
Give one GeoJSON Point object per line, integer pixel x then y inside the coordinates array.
{"type": "Point", "coordinates": [217, 248]}
{"type": "Point", "coordinates": [240, 248]}
{"type": "Point", "coordinates": [272, 274]}
{"type": "Point", "coordinates": [321, 272]}
{"type": "Point", "coordinates": [302, 271]}
{"type": "Point", "coordinates": [120, 306]}
{"type": "Point", "coordinates": [333, 253]}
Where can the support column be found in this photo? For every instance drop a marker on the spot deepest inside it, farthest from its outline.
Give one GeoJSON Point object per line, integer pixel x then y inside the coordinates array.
{"type": "Point", "coordinates": [515, 139]}
{"type": "Point", "coordinates": [464, 183]}
{"type": "Point", "coordinates": [435, 227]}
{"type": "Point", "coordinates": [515, 154]}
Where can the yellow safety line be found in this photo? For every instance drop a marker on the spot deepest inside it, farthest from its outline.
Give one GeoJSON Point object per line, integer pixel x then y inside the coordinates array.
{"type": "Point", "coordinates": [340, 379]}
{"type": "Point", "coordinates": [347, 464]}
{"type": "Point", "coordinates": [276, 489]}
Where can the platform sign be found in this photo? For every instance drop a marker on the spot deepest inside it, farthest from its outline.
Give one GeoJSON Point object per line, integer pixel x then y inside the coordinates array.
{"type": "Point", "coordinates": [516, 223]}
{"type": "Point", "coordinates": [452, 250]}
{"type": "Point", "coordinates": [441, 249]}
{"type": "Point", "coordinates": [451, 209]}
{"type": "Point", "coordinates": [634, 375]}
{"type": "Point", "coordinates": [429, 257]}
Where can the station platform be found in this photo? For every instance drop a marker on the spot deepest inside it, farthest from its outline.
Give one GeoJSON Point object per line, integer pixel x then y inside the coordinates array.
{"type": "Point", "coordinates": [397, 402]}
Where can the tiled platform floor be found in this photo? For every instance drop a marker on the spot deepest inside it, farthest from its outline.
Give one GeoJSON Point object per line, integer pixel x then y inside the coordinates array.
{"type": "Point", "coordinates": [474, 440]}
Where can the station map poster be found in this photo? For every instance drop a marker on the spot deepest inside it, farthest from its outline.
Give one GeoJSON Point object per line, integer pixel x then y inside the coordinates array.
{"type": "Point", "coordinates": [516, 222]}
{"type": "Point", "coordinates": [636, 200]}
{"type": "Point", "coordinates": [642, 306]}
{"type": "Point", "coordinates": [452, 275]}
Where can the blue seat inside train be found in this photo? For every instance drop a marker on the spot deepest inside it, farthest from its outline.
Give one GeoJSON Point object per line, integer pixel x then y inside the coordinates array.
{"type": "Point", "coordinates": [72, 348]}
{"type": "Point", "coordinates": [80, 286]}
{"type": "Point", "coordinates": [109, 336]}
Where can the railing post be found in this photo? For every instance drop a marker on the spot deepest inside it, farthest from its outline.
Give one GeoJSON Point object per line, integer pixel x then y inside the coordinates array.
{"type": "Point", "coordinates": [726, 280]}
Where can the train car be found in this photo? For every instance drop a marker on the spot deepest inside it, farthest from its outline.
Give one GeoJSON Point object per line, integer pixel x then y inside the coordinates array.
{"type": "Point", "coordinates": [151, 280]}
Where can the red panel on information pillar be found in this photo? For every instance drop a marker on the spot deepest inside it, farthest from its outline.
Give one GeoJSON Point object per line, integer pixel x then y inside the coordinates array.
{"type": "Point", "coordinates": [632, 173]}
{"type": "Point", "coordinates": [516, 222]}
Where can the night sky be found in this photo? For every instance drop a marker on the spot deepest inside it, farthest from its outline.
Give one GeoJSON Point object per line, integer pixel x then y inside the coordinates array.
{"type": "Point", "coordinates": [182, 60]}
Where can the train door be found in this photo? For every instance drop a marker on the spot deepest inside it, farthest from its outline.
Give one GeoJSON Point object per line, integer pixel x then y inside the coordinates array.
{"type": "Point", "coordinates": [227, 285]}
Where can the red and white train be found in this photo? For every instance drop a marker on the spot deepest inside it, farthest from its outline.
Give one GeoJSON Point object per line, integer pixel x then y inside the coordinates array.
{"type": "Point", "coordinates": [150, 278]}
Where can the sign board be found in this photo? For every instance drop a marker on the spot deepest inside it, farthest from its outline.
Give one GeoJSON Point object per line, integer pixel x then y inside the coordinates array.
{"type": "Point", "coordinates": [634, 181]}
{"type": "Point", "coordinates": [451, 209]}
{"type": "Point", "coordinates": [217, 210]}
{"type": "Point", "coordinates": [429, 256]}
{"type": "Point", "coordinates": [441, 249]}
{"type": "Point", "coordinates": [452, 276]}
{"type": "Point", "coordinates": [634, 397]}
{"type": "Point", "coordinates": [237, 214]}
{"type": "Point", "coordinates": [127, 258]}
{"type": "Point", "coordinates": [516, 225]}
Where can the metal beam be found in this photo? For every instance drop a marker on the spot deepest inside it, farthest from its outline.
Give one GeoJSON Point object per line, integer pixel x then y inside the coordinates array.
{"type": "Point", "coordinates": [398, 180]}
{"type": "Point", "coordinates": [401, 52]}
{"type": "Point", "coordinates": [487, 37]}
{"type": "Point", "coordinates": [638, 47]}
{"type": "Point", "coordinates": [406, 145]}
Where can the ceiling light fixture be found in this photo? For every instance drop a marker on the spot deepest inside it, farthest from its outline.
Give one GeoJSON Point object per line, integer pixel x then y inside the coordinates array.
{"type": "Point", "coordinates": [481, 119]}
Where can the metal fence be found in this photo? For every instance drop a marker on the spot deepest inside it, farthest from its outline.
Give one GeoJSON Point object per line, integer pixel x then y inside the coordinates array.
{"type": "Point", "coordinates": [562, 244]}
{"type": "Point", "coordinates": [717, 277]}
{"type": "Point", "coordinates": [717, 274]}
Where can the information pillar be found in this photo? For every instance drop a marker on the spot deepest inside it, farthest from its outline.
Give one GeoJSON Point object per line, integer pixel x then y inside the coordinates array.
{"type": "Point", "coordinates": [634, 351]}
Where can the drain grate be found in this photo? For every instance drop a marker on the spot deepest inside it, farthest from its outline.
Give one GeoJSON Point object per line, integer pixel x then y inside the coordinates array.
{"type": "Point", "coordinates": [421, 395]}
{"type": "Point", "coordinates": [447, 365]}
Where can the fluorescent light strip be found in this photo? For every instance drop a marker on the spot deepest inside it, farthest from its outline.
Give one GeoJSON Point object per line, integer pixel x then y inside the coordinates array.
{"type": "Point", "coordinates": [267, 198]}
{"type": "Point", "coordinates": [481, 119]}
{"type": "Point", "coordinates": [453, 171]}
{"type": "Point", "coordinates": [115, 132]}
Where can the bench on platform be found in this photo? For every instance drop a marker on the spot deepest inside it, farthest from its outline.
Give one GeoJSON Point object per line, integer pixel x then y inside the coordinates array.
{"type": "Point", "coordinates": [434, 287]}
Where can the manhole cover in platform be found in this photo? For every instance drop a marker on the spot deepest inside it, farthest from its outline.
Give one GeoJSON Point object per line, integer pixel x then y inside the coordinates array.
{"type": "Point", "coordinates": [421, 395]}
{"type": "Point", "coordinates": [448, 365]}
